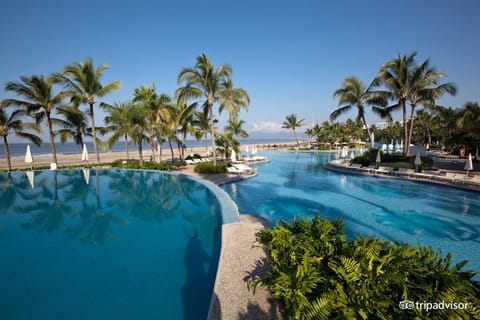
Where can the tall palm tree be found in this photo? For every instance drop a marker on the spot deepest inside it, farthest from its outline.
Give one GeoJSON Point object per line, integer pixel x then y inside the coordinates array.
{"type": "Point", "coordinates": [469, 121]}
{"type": "Point", "coordinates": [291, 122]}
{"type": "Point", "coordinates": [235, 127]}
{"type": "Point", "coordinates": [118, 123]}
{"type": "Point", "coordinates": [395, 74]}
{"type": "Point", "coordinates": [232, 99]}
{"type": "Point", "coordinates": [74, 125]}
{"type": "Point", "coordinates": [204, 81]}
{"type": "Point", "coordinates": [39, 101]}
{"type": "Point", "coordinates": [84, 82]}
{"type": "Point", "coordinates": [201, 124]}
{"type": "Point", "coordinates": [13, 123]}
{"type": "Point", "coordinates": [147, 97]}
{"type": "Point", "coordinates": [425, 89]}
{"type": "Point", "coordinates": [354, 94]}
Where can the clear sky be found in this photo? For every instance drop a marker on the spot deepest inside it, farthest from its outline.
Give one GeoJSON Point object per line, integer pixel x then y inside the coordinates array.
{"type": "Point", "coordinates": [289, 55]}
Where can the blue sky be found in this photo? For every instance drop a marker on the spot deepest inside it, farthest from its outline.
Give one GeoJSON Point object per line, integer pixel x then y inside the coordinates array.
{"type": "Point", "coordinates": [289, 55]}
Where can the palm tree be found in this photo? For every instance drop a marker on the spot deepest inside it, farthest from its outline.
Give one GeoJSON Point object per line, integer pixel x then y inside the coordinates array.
{"type": "Point", "coordinates": [235, 127]}
{"type": "Point", "coordinates": [425, 89]}
{"type": "Point", "coordinates": [39, 101]}
{"type": "Point", "coordinates": [469, 121]}
{"type": "Point", "coordinates": [201, 124]}
{"type": "Point", "coordinates": [232, 99]}
{"type": "Point", "coordinates": [75, 124]}
{"type": "Point", "coordinates": [147, 97]}
{"type": "Point", "coordinates": [291, 122]}
{"type": "Point", "coordinates": [118, 122]}
{"type": "Point", "coordinates": [13, 124]}
{"type": "Point", "coordinates": [395, 74]}
{"type": "Point", "coordinates": [204, 81]}
{"type": "Point", "coordinates": [354, 94]}
{"type": "Point", "coordinates": [138, 123]}
{"type": "Point", "coordinates": [84, 82]}
{"type": "Point", "coordinates": [418, 85]}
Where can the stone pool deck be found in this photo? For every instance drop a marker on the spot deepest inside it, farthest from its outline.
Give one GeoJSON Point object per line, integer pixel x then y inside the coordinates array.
{"type": "Point", "coordinates": [241, 261]}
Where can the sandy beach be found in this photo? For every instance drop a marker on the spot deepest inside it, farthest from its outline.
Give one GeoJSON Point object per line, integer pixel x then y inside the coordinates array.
{"type": "Point", "coordinates": [42, 161]}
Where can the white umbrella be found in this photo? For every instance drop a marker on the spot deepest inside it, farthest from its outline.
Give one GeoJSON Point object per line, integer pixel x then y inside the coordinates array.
{"type": "Point", "coordinates": [28, 155]}
{"type": "Point", "coordinates": [246, 149]}
{"type": "Point", "coordinates": [31, 178]}
{"type": "Point", "coordinates": [373, 140]}
{"type": "Point", "coordinates": [86, 175]}
{"type": "Point", "coordinates": [361, 150]}
{"type": "Point", "coordinates": [85, 153]}
{"type": "Point", "coordinates": [469, 163]}
{"type": "Point", "coordinates": [352, 155]}
{"type": "Point", "coordinates": [379, 158]}
{"type": "Point", "coordinates": [417, 162]}
{"type": "Point", "coordinates": [344, 152]}
{"type": "Point", "coordinates": [233, 156]}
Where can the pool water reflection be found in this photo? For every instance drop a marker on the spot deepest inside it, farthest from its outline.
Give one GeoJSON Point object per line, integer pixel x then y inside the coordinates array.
{"type": "Point", "coordinates": [106, 244]}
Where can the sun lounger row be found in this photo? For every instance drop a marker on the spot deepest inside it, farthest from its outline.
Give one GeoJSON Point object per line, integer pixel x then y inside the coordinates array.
{"type": "Point", "coordinates": [255, 158]}
{"type": "Point", "coordinates": [240, 168]}
{"type": "Point", "coordinates": [439, 176]}
{"type": "Point", "coordinates": [197, 161]}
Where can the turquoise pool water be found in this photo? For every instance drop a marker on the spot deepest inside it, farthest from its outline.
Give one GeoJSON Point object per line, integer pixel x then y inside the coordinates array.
{"type": "Point", "coordinates": [296, 183]}
{"type": "Point", "coordinates": [125, 245]}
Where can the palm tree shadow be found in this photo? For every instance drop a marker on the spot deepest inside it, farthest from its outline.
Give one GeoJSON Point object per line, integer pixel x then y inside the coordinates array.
{"type": "Point", "coordinates": [195, 302]}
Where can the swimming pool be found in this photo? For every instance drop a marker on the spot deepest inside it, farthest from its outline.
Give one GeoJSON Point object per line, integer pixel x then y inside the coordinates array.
{"type": "Point", "coordinates": [296, 183]}
{"type": "Point", "coordinates": [106, 244]}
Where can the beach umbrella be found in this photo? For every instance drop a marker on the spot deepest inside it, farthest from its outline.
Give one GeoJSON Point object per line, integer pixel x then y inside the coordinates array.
{"type": "Point", "coordinates": [246, 149]}
{"type": "Point", "coordinates": [233, 156]}
{"type": "Point", "coordinates": [379, 157]}
{"type": "Point", "coordinates": [85, 153]}
{"type": "Point", "coordinates": [361, 150]}
{"type": "Point", "coordinates": [28, 155]}
{"type": "Point", "coordinates": [469, 163]}
{"type": "Point", "coordinates": [373, 140]}
{"type": "Point", "coordinates": [31, 178]}
{"type": "Point", "coordinates": [417, 162]}
{"type": "Point", "coordinates": [344, 152]}
{"type": "Point", "coordinates": [352, 155]}
{"type": "Point", "coordinates": [86, 175]}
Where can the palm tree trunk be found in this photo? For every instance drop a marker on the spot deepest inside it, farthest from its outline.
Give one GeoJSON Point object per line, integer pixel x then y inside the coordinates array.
{"type": "Point", "coordinates": [212, 133]}
{"type": "Point", "coordinates": [411, 127]}
{"type": "Point", "coordinates": [296, 139]}
{"type": "Point", "coordinates": [94, 132]}
{"type": "Point", "coordinates": [126, 147]}
{"type": "Point", "coordinates": [52, 139]}
{"type": "Point", "coordinates": [171, 149]}
{"type": "Point", "coordinates": [151, 141]}
{"type": "Point", "coordinates": [368, 130]}
{"type": "Point", "coordinates": [140, 152]}
{"type": "Point", "coordinates": [7, 153]}
{"type": "Point", "coordinates": [405, 127]}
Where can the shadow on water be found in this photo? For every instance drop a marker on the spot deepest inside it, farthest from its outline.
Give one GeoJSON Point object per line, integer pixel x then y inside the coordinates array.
{"type": "Point", "coordinates": [195, 301]}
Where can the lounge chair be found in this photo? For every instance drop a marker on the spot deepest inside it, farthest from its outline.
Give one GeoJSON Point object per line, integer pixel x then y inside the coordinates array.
{"type": "Point", "coordinates": [384, 170]}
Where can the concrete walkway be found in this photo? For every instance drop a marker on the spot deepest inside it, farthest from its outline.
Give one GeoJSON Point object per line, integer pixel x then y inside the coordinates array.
{"type": "Point", "coordinates": [242, 261]}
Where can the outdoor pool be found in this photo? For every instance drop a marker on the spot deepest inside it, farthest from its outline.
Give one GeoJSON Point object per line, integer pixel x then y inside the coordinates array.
{"type": "Point", "coordinates": [296, 183]}
{"type": "Point", "coordinates": [106, 244]}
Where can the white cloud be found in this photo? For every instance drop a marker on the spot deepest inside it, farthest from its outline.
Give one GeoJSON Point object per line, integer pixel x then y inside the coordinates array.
{"type": "Point", "coordinates": [267, 126]}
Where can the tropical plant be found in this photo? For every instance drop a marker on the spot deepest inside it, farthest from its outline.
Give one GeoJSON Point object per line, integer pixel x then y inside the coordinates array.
{"type": "Point", "coordinates": [119, 123]}
{"type": "Point", "coordinates": [235, 127]}
{"type": "Point", "coordinates": [13, 124]}
{"type": "Point", "coordinates": [74, 125]}
{"type": "Point", "coordinates": [412, 83]}
{"type": "Point", "coordinates": [83, 81]}
{"type": "Point", "coordinates": [318, 274]}
{"type": "Point", "coordinates": [291, 122]}
{"type": "Point", "coordinates": [227, 142]}
{"type": "Point", "coordinates": [201, 124]}
{"type": "Point", "coordinates": [40, 101]}
{"type": "Point", "coordinates": [469, 122]}
{"type": "Point", "coordinates": [204, 81]}
{"type": "Point", "coordinates": [210, 168]}
{"type": "Point", "coordinates": [354, 94]}
{"type": "Point", "coordinates": [232, 100]}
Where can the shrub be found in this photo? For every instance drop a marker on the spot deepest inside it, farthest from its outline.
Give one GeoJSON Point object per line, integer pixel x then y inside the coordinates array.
{"type": "Point", "coordinates": [149, 165]}
{"type": "Point", "coordinates": [318, 274]}
{"type": "Point", "coordinates": [210, 168]}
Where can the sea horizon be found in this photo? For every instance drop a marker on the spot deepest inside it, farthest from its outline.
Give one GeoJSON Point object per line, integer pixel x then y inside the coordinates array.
{"type": "Point", "coordinates": [18, 149]}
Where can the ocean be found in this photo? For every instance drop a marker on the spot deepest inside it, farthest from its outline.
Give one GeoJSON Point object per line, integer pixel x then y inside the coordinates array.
{"type": "Point", "coordinates": [19, 149]}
